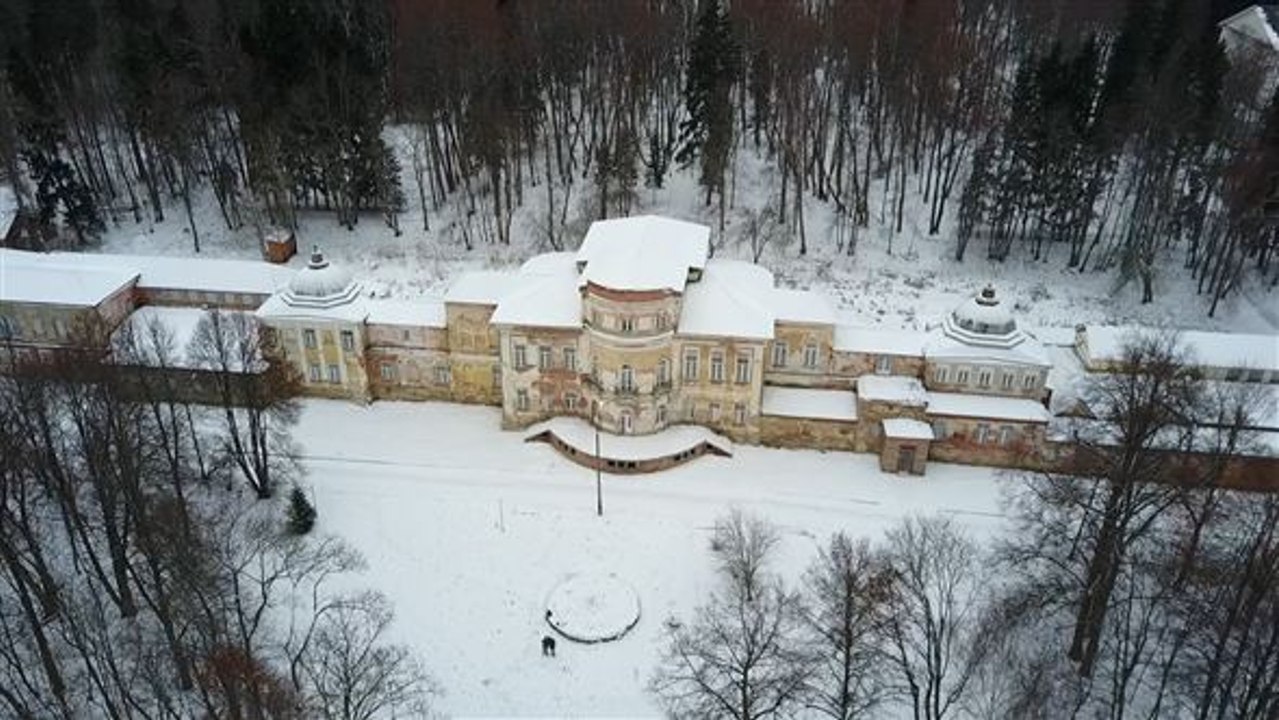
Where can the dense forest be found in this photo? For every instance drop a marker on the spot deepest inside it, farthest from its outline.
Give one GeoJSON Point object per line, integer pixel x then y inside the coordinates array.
{"type": "Point", "coordinates": [1106, 136]}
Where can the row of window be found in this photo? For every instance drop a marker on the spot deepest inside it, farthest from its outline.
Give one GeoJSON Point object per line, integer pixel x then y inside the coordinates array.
{"type": "Point", "coordinates": [628, 324]}
{"type": "Point", "coordinates": [982, 433]}
{"type": "Point", "coordinates": [545, 357]}
{"type": "Point", "coordinates": [781, 353]}
{"type": "Point", "coordinates": [309, 339]}
{"type": "Point", "coordinates": [985, 378]}
{"type": "Point", "coordinates": [572, 402]}
{"type": "Point", "coordinates": [692, 358]}
{"type": "Point", "coordinates": [316, 374]}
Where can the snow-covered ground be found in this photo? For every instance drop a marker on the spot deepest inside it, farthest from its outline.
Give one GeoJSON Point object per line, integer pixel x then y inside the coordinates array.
{"type": "Point", "coordinates": [468, 529]}
{"type": "Point", "coordinates": [899, 280]}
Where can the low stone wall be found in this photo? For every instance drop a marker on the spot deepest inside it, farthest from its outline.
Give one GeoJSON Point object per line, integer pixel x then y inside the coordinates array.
{"type": "Point", "coordinates": [807, 434]}
{"type": "Point", "coordinates": [617, 466]}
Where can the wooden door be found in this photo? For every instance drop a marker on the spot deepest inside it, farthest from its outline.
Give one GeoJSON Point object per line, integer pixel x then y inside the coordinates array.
{"type": "Point", "coordinates": [906, 459]}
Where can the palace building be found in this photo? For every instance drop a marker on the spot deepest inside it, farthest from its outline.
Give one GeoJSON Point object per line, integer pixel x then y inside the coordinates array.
{"type": "Point", "coordinates": [644, 336]}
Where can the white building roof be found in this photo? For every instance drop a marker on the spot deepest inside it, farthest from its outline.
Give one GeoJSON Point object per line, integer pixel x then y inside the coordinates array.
{"type": "Point", "coordinates": [256, 277]}
{"type": "Point", "coordinates": [543, 294]}
{"type": "Point", "coordinates": [1256, 23]}
{"type": "Point", "coordinates": [986, 406]}
{"type": "Point", "coordinates": [982, 329]}
{"type": "Point", "coordinates": [58, 279]}
{"type": "Point", "coordinates": [646, 252]}
{"type": "Point", "coordinates": [802, 306]}
{"type": "Point", "coordinates": [907, 429]}
{"type": "Point", "coordinates": [810, 403]}
{"type": "Point", "coordinates": [481, 287]}
{"type": "Point", "coordinates": [1105, 343]}
{"type": "Point", "coordinates": [729, 301]}
{"type": "Point", "coordinates": [880, 341]}
{"type": "Point", "coordinates": [423, 312]}
{"type": "Point", "coordinates": [899, 389]}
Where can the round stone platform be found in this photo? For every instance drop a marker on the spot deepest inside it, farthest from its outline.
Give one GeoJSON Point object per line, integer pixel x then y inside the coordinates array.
{"type": "Point", "coordinates": [592, 608]}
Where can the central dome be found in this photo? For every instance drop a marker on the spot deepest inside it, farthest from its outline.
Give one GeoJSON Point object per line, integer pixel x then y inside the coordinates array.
{"type": "Point", "coordinates": [983, 320]}
{"type": "Point", "coordinates": [321, 284]}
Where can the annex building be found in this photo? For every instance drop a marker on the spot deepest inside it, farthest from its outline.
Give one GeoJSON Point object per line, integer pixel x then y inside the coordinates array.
{"type": "Point", "coordinates": [641, 334]}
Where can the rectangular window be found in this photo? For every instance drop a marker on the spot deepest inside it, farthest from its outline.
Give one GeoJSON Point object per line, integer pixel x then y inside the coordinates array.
{"type": "Point", "coordinates": [1006, 380]}
{"type": "Point", "coordinates": [982, 433]}
{"type": "Point", "coordinates": [60, 328]}
{"type": "Point", "coordinates": [690, 364]}
{"type": "Point", "coordinates": [570, 402]}
{"type": "Point", "coordinates": [884, 365]}
{"type": "Point", "coordinates": [939, 430]}
{"type": "Point", "coordinates": [544, 358]}
{"type": "Point", "coordinates": [743, 369]}
{"type": "Point", "coordinates": [662, 321]}
{"type": "Point", "coordinates": [714, 412]}
{"type": "Point", "coordinates": [663, 372]}
{"type": "Point", "coordinates": [1030, 381]}
{"type": "Point", "coordinates": [779, 354]}
{"type": "Point", "coordinates": [810, 356]}
{"type": "Point", "coordinates": [717, 366]}
{"type": "Point", "coordinates": [983, 378]}
{"type": "Point", "coordinates": [521, 400]}
{"type": "Point", "coordinates": [692, 411]}
{"type": "Point", "coordinates": [519, 360]}
{"type": "Point", "coordinates": [1005, 434]}
{"type": "Point", "coordinates": [661, 414]}
{"type": "Point", "coordinates": [388, 371]}
{"type": "Point", "coordinates": [570, 358]}
{"type": "Point", "coordinates": [961, 376]}
{"type": "Point", "coordinates": [939, 375]}
{"type": "Point", "coordinates": [442, 375]}
{"type": "Point", "coordinates": [313, 372]}
{"type": "Point", "coordinates": [627, 324]}
{"type": "Point", "coordinates": [626, 379]}
{"type": "Point", "coordinates": [739, 413]}
{"type": "Point", "coordinates": [497, 377]}
{"type": "Point", "coordinates": [406, 335]}
{"type": "Point", "coordinates": [335, 373]}
{"type": "Point", "coordinates": [348, 341]}
{"type": "Point", "coordinates": [308, 338]}
{"type": "Point", "coordinates": [1234, 373]}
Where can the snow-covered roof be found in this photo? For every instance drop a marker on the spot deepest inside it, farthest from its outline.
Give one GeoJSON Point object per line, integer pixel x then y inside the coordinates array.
{"type": "Point", "coordinates": [56, 279]}
{"type": "Point", "coordinates": [544, 294]}
{"type": "Point", "coordinates": [8, 209]}
{"type": "Point", "coordinates": [810, 403]}
{"type": "Point", "coordinates": [802, 306]}
{"type": "Point", "coordinates": [1105, 343]}
{"type": "Point", "coordinates": [646, 252]}
{"type": "Point", "coordinates": [880, 341]}
{"type": "Point", "coordinates": [986, 406]}
{"type": "Point", "coordinates": [1257, 23]}
{"type": "Point", "coordinates": [179, 273]}
{"type": "Point", "coordinates": [899, 389]}
{"type": "Point", "coordinates": [729, 301]}
{"type": "Point", "coordinates": [907, 429]}
{"type": "Point", "coordinates": [982, 329]}
{"type": "Point", "coordinates": [423, 312]}
{"type": "Point", "coordinates": [481, 287]}
{"type": "Point", "coordinates": [320, 290]}
{"type": "Point", "coordinates": [580, 435]}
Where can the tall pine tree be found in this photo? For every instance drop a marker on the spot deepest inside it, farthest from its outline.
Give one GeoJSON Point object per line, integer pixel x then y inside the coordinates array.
{"type": "Point", "coordinates": [713, 67]}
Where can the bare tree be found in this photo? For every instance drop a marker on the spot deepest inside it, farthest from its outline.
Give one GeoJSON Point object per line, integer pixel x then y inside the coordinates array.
{"type": "Point", "coordinates": [742, 545]}
{"type": "Point", "coordinates": [846, 605]}
{"type": "Point", "coordinates": [934, 613]}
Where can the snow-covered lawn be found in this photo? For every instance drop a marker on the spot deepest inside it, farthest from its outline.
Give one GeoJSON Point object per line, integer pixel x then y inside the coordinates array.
{"type": "Point", "coordinates": [468, 528]}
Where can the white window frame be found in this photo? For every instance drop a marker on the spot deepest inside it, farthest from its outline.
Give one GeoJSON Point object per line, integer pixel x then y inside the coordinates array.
{"type": "Point", "coordinates": [661, 415]}
{"type": "Point", "coordinates": [664, 371]}
{"type": "Point", "coordinates": [1005, 435]}
{"type": "Point", "coordinates": [743, 372]}
{"type": "Point", "coordinates": [779, 354]}
{"type": "Point", "coordinates": [335, 373]}
{"type": "Point", "coordinates": [315, 373]}
{"type": "Point", "coordinates": [626, 324]}
{"type": "Point", "coordinates": [626, 379]}
{"type": "Point", "coordinates": [308, 338]}
{"type": "Point", "coordinates": [739, 413]}
{"type": "Point", "coordinates": [544, 358]}
{"type": "Point", "coordinates": [521, 400]}
{"type": "Point", "coordinates": [961, 376]}
{"type": "Point", "coordinates": [1030, 381]}
{"type": "Point", "coordinates": [715, 412]}
{"type": "Point", "coordinates": [984, 376]}
{"type": "Point", "coordinates": [692, 359]}
{"type": "Point", "coordinates": [388, 371]}
{"type": "Point", "coordinates": [443, 375]}
{"type": "Point", "coordinates": [348, 341]}
{"type": "Point", "coordinates": [570, 402]}
{"type": "Point", "coordinates": [519, 356]}
{"type": "Point", "coordinates": [1006, 380]}
{"type": "Point", "coordinates": [940, 375]}
{"type": "Point", "coordinates": [810, 355]}
{"type": "Point", "coordinates": [883, 364]}
{"type": "Point", "coordinates": [570, 358]}
{"type": "Point", "coordinates": [717, 366]}
{"type": "Point", "coordinates": [981, 434]}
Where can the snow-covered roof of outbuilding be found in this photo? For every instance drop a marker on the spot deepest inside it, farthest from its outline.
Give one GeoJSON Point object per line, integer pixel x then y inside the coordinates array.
{"type": "Point", "coordinates": [729, 301]}
{"type": "Point", "coordinates": [987, 406]}
{"type": "Point", "coordinates": [56, 279]}
{"type": "Point", "coordinates": [899, 389]}
{"type": "Point", "coordinates": [1105, 343]}
{"type": "Point", "coordinates": [481, 287]}
{"type": "Point", "coordinates": [809, 403]}
{"type": "Point", "coordinates": [907, 429]}
{"type": "Point", "coordinates": [646, 252]}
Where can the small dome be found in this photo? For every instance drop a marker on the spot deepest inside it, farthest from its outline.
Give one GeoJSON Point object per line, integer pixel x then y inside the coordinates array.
{"type": "Point", "coordinates": [984, 314]}
{"type": "Point", "coordinates": [321, 284]}
{"type": "Point", "coordinates": [983, 320]}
